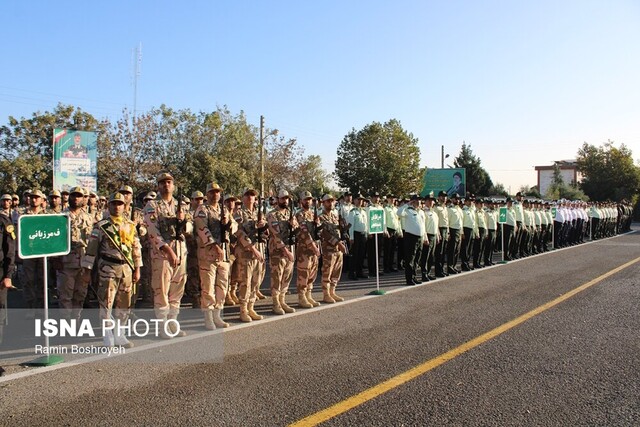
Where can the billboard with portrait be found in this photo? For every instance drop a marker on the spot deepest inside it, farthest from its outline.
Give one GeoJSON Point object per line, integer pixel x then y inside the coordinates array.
{"type": "Point", "coordinates": [74, 159]}
{"type": "Point", "coordinates": [452, 180]}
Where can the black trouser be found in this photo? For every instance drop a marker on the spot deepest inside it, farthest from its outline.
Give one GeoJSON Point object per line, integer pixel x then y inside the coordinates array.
{"type": "Point", "coordinates": [440, 253]}
{"type": "Point", "coordinates": [488, 247]}
{"type": "Point", "coordinates": [467, 245]}
{"type": "Point", "coordinates": [412, 244]}
{"type": "Point", "coordinates": [453, 250]}
{"type": "Point", "coordinates": [557, 234]}
{"type": "Point", "coordinates": [595, 225]}
{"type": "Point", "coordinates": [507, 240]}
{"type": "Point", "coordinates": [478, 247]}
{"type": "Point", "coordinates": [389, 250]}
{"type": "Point", "coordinates": [357, 253]}
{"type": "Point", "coordinates": [427, 257]}
{"type": "Point", "coordinates": [516, 240]}
{"type": "Point", "coordinates": [371, 252]}
{"type": "Point", "coordinates": [400, 247]}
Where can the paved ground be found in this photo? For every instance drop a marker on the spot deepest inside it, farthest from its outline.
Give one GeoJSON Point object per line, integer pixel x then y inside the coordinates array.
{"type": "Point", "coordinates": [574, 364]}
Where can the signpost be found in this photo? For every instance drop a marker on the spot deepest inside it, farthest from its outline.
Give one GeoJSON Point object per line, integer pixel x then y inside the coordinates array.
{"type": "Point", "coordinates": [502, 218]}
{"type": "Point", "coordinates": [42, 236]}
{"type": "Point", "coordinates": [376, 226]}
{"type": "Point", "coordinates": [553, 228]}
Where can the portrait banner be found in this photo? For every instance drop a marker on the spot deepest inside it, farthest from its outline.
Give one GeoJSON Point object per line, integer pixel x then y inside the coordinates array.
{"type": "Point", "coordinates": [75, 159]}
{"type": "Point", "coordinates": [453, 181]}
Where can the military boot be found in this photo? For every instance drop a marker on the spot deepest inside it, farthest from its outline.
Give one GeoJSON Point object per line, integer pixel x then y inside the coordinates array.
{"type": "Point", "coordinates": [284, 305]}
{"type": "Point", "coordinates": [252, 313]}
{"type": "Point", "coordinates": [208, 320]}
{"type": "Point", "coordinates": [162, 324]}
{"type": "Point", "coordinates": [217, 318]}
{"type": "Point", "coordinates": [244, 313]}
{"type": "Point", "coordinates": [326, 297]}
{"type": "Point", "coordinates": [233, 294]}
{"type": "Point", "coordinates": [313, 302]}
{"type": "Point", "coordinates": [260, 295]}
{"type": "Point", "coordinates": [228, 300]}
{"type": "Point", "coordinates": [108, 338]}
{"type": "Point", "coordinates": [303, 302]}
{"type": "Point", "coordinates": [335, 297]}
{"type": "Point", "coordinates": [173, 326]}
{"type": "Point", "coordinates": [276, 308]}
{"type": "Point", "coordinates": [120, 340]}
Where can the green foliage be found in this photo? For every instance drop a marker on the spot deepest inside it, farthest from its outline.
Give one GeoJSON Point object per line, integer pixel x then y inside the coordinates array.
{"type": "Point", "coordinates": [498, 190]}
{"type": "Point", "coordinates": [560, 190]}
{"type": "Point", "coordinates": [478, 180]}
{"type": "Point", "coordinates": [379, 157]}
{"type": "Point", "coordinates": [609, 172]}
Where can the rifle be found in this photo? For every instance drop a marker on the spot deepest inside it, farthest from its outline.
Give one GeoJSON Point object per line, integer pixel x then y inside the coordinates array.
{"type": "Point", "coordinates": [316, 227]}
{"type": "Point", "coordinates": [292, 236]}
{"type": "Point", "coordinates": [224, 228]}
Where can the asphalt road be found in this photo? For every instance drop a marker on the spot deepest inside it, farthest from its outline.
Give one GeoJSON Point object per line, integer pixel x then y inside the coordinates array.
{"type": "Point", "coordinates": [577, 363]}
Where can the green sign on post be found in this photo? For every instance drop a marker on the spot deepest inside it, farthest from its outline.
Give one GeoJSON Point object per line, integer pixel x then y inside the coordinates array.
{"type": "Point", "coordinates": [43, 235]}
{"type": "Point", "coordinates": [553, 212]}
{"type": "Point", "coordinates": [376, 220]}
{"type": "Point", "coordinates": [502, 216]}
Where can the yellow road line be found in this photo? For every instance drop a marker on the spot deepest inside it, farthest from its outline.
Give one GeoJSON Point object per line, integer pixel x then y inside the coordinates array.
{"type": "Point", "coordinates": [377, 390]}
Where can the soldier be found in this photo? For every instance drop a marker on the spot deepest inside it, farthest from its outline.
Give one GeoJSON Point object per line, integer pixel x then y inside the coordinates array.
{"type": "Point", "coordinates": [454, 214]}
{"type": "Point", "coordinates": [55, 202]}
{"type": "Point", "coordinates": [510, 229]}
{"type": "Point", "coordinates": [64, 199]}
{"type": "Point", "coordinates": [33, 267]}
{"type": "Point", "coordinates": [491, 216]}
{"type": "Point", "coordinates": [282, 228]}
{"type": "Point", "coordinates": [481, 233]}
{"type": "Point", "coordinates": [333, 250]}
{"type": "Point", "coordinates": [232, 297]}
{"type": "Point", "coordinates": [440, 254]}
{"type": "Point", "coordinates": [72, 289]}
{"type": "Point", "coordinates": [115, 245]}
{"type": "Point", "coordinates": [133, 214]}
{"type": "Point", "coordinates": [7, 266]}
{"type": "Point", "coordinates": [211, 222]}
{"type": "Point", "coordinates": [391, 237]}
{"type": "Point", "coordinates": [307, 250]}
{"type": "Point", "coordinates": [248, 254]}
{"type": "Point", "coordinates": [427, 258]}
{"type": "Point", "coordinates": [193, 289]}
{"type": "Point", "coordinates": [5, 205]}
{"type": "Point", "coordinates": [413, 237]}
{"type": "Point", "coordinates": [167, 224]}
{"type": "Point", "coordinates": [357, 221]}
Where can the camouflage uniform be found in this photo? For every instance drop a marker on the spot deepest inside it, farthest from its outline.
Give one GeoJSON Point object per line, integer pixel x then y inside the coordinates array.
{"type": "Point", "coordinates": [332, 257]}
{"type": "Point", "coordinates": [281, 267]}
{"type": "Point", "coordinates": [72, 289]}
{"type": "Point", "coordinates": [306, 257]}
{"type": "Point", "coordinates": [213, 261]}
{"type": "Point", "coordinates": [193, 287]}
{"type": "Point", "coordinates": [248, 264]}
{"type": "Point", "coordinates": [8, 245]}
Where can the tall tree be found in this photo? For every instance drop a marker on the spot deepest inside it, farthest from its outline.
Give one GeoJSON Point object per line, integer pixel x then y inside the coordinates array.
{"type": "Point", "coordinates": [609, 172]}
{"type": "Point", "coordinates": [379, 157]}
{"type": "Point", "coordinates": [478, 180]}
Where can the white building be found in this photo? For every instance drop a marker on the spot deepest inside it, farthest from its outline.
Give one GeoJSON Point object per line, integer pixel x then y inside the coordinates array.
{"type": "Point", "coordinates": [568, 171]}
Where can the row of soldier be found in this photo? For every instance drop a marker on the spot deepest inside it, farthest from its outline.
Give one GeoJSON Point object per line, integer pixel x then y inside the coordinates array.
{"type": "Point", "coordinates": [222, 245]}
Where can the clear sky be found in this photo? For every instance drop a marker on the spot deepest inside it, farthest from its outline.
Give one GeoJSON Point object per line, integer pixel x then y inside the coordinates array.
{"type": "Point", "coordinates": [523, 82]}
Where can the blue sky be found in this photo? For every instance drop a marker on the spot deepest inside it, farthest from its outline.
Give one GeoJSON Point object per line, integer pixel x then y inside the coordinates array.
{"type": "Point", "coordinates": [524, 83]}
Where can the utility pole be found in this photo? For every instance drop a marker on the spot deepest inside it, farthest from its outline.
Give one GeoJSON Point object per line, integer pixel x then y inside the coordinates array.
{"type": "Point", "coordinates": [262, 156]}
{"type": "Point", "coordinates": [442, 157]}
{"type": "Point", "coordinates": [137, 62]}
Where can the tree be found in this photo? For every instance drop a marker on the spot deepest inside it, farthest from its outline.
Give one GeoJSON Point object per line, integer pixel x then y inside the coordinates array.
{"type": "Point", "coordinates": [379, 157]}
{"type": "Point", "coordinates": [609, 172]}
{"type": "Point", "coordinates": [560, 190]}
{"type": "Point", "coordinates": [498, 190]}
{"type": "Point", "coordinates": [530, 191]}
{"type": "Point", "coordinates": [478, 180]}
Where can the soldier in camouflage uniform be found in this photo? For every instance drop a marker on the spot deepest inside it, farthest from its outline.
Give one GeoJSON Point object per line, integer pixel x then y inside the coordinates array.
{"type": "Point", "coordinates": [232, 297]}
{"type": "Point", "coordinates": [7, 265]}
{"type": "Point", "coordinates": [333, 250]}
{"type": "Point", "coordinates": [72, 289]}
{"type": "Point", "coordinates": [115, 245]}
{"type": "Point", "coordinates": [192, 289]}
{"type": "Point", "coordinates": [5, 205]}
{"type": "Point", "coordinates": [248, 255]}
{"type": "Point", "coordinates": [133, 214]}
{"type": "Point", "coordinates": [55, 202]}
{"type": "Point", "coordinates": [167, 224]}
{"type": "Point", "coordinates": [307, 250]}
{"type": "Point", "coordinates": [211, 225]}
{"type": "Point", "coordinates": [282, 227]}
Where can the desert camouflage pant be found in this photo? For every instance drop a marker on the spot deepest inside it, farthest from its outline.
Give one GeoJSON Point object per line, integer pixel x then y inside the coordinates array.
{"type": "Point", "coordinates": [214, 281]}
{"type": "Point", "coordinates": [331, 268]}
{"type": "Point", "coordinates": [249, 276]}
{"type": "Point", "coordinates": [114, 289]}
{"type": "Point", "coordinates": [307, 269]}
{"type": "Point", "coordinates": [281, 273]}
{"type": "Point", "coordinates": [168, 286]}
{"type": "Point", "coordinates": [71, 291]}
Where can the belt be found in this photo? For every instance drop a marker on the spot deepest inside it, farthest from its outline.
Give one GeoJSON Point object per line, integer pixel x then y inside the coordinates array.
{"type": "Point", "coordinates": [113, 260]}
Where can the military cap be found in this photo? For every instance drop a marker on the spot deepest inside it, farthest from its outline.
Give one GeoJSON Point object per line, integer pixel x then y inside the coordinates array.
{"type": "Point", "coordinates": [327, 197]}
{"type": "Point", "coordinates": [116, 197]}
{"type": "Point", "coordinates": [348, 193]}
{"type": "Point", "coordinates": [64, 191]}
{"type": "Point", "coordinates": [93, 194]}
{"type": "Point", "coordinates": [358, 196]}
{"type": "Point", "coordinates": [151, 195]}
{"type": "Point", "coordinates": [213, 186]}
{"type": "Point", "coordinates": [414, 197]}
{"type": "Point", "coordinates": [305, 195]}
{"type": "Point", "coordinates": [6, 197]}
{"type": "Point", "coordinates": [85, 191]}
{"type": "Point", "coordinates": [391, 196]}
{"type": "Point", "coordinates": [283, 194]}
{"type": "Point", "coordinates": [431, 195]}
{"type": "Point", "coordinates": [77, 190]}
{"type": "Point", "coordinates": [455, 196]}
{"type": "Point", "coordinates": [197, 195]}
{"type": "Point", "coordinates": [185, 200]}
{"type": "Point", "coordinates": [54, 193]}
{"type": "Point", "coordinates": [479, 200]}
{"type": "Point", "coordinates": [163, 176]}
{"type": "Point", "coordinates": [375, 194]}
{"type": "Point", "coordinates": [102, 198]}
{"type": "Point", "coordinates": [37, 193]}
{"type": "Point", "coordinates": [15, 197]}
{"type": "Point", "coordinates": [442, 193]}
{"type": "Point", "coordinates": [509, 199]}
{"type": "Point", "coordinates": [519, 194]}
{"type": "Point", "coordinates": [250, 191]}
{"type": "Point", "coordinates": [230, 197]}
{"type": "Point", "coordinates": [125, 189]}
